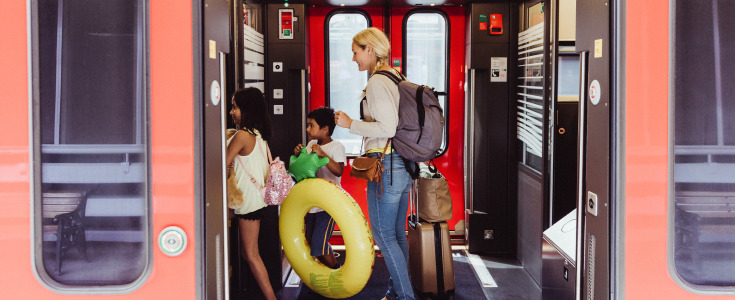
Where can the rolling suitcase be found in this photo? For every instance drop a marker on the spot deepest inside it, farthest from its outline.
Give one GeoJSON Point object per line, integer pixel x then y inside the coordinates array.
{"type": "Point", "coordinates": [430, 256]}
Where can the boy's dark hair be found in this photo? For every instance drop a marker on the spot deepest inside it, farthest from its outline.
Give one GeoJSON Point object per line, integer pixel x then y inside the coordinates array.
{"type": "Point", "coordinates": [253, 112]}
{"type": "Point", "coordinates": [324, 116]}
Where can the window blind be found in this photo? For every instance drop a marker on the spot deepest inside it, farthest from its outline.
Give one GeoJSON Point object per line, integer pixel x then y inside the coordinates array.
{"type": "Point", "coordinates": [530, 100]}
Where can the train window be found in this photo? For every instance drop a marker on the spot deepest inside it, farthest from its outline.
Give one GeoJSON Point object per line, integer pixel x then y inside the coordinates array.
{"type": "Point", "coordinates": [426, 54]}
{"type": "Point", "coordinates": [703, 189]}
{"type": "Point", "coordinates": [568, 81]}
{"type": "Point", "coordinates": [90, 158]}
{"type": "Point", "coordinates": [345, 82]}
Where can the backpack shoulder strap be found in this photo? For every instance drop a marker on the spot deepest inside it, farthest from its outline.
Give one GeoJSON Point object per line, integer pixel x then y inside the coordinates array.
{"type": "Point", "coordinates": [420, 105]}
{"type": "Point", "coordinates": [266, 151]}
{"type": "Point", "coordinates": [252, 178]}
{"type": "Point", "coordinates": [392, 76]}
{"type": "Point", "coordinates": [362, 104]}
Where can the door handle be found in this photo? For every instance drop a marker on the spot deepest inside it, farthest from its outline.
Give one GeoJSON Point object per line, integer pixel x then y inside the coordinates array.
{"type": "Point", "coordinates": [469, 141]}
{"type": "Point", "coordinates": [303, 107]}
{"type": "Point", "coordinates": [223, 260]}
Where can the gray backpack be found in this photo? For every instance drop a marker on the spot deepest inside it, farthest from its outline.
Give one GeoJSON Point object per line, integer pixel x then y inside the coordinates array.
{"type": "Point", "coordinates": [420, 120]}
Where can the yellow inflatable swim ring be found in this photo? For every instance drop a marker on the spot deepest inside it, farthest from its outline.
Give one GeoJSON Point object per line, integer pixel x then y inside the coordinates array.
{"type": "Point", "coordinates": [360, 255]}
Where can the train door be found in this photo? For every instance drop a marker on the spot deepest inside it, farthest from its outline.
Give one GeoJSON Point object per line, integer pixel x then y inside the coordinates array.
{"type": "Point", "coordinates": [424, 44]}
{"type": "Point", "coordinates": [428, 47]}
{"type": "Point", "coordinates": [679, 147]}
{"type": "Point", "coordinates": [211, 107]}
{"type": "Point", "coordinates": [100, 202]}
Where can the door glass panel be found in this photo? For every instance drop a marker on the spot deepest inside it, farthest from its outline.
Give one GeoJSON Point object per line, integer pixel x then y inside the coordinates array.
{"type": "Point", "coordinates": [426, 54]}
{"type": "Point", "coordinates": [704, 147]}
{"type": "Point", "coordinates": [92, 185]}
{"type": "Point", "coordinates": [530, 100]}
{"type": "Point", "coordinates": [345, 82]}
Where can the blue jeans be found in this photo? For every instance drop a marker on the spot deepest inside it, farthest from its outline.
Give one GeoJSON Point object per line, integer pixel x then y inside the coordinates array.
{"type": "Point", "coordinates": [388, 223]}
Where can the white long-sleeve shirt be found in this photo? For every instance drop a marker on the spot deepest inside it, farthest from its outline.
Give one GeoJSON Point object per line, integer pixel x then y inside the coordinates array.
{"type": "Point", "coordinates": [380, 112]}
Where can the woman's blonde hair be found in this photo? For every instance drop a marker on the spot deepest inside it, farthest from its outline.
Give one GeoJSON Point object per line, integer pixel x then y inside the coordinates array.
{"type": "Point", "coordinates": [376, 39]}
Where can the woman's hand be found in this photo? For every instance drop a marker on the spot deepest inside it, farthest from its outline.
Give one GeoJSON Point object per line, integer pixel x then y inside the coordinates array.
{"type": "Point", "coordinates": [342, 119]}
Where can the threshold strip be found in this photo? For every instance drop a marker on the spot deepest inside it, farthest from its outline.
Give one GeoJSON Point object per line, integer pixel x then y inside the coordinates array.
{"type": "Point", "coordinates": [293, 279]}
{"type": "Point", "coordinates": [481, 270]}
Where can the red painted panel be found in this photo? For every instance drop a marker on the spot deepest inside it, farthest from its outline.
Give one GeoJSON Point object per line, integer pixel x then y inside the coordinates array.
{"type": "Point", "coordinates": [317, 77]}
{"type": "Point", "coordinates": [646, 158]}
{"type": "Point", "coordinates": [171, 50]}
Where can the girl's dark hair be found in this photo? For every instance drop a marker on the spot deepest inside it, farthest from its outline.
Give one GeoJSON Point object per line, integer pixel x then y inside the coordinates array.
{"type": "Point", "coordinates": [253, 111]}
{"type": "Point", "coordinates": [324, 116]}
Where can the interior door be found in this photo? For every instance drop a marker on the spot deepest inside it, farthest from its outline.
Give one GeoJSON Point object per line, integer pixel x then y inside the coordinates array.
{"type": "Point", "coordinates": [336, 82]}
{"type": "Point", "coordinates": [428, 48]}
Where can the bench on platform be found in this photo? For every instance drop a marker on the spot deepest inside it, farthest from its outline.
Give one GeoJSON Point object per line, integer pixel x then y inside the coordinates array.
{"type": "Point", "coordinates": [63, 215]}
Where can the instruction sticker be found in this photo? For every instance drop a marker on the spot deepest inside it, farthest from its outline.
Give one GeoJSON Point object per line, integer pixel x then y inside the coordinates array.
{"type": "Point", "coordinates": [498, 69]}
{"type": "Point", "coordinates": [212, 49]}
{"type": "Point", "coordinates": [598, 48]}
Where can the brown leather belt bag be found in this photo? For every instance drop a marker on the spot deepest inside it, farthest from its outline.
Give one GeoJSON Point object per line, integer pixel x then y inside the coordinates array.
{"type": "Point", "coordinates": [369, 168]}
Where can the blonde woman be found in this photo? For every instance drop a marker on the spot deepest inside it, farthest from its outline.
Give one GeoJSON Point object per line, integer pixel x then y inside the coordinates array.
{"type": "Point", "coordinates": [371, 50]}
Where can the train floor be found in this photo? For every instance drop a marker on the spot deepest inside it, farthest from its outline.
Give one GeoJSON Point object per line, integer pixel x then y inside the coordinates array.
{"type": "Point", "coordinates": [476, 277]}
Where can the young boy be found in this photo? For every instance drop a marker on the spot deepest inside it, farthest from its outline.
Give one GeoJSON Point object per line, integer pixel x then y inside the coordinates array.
{"type": "Point", "coordinates": [319, 224]}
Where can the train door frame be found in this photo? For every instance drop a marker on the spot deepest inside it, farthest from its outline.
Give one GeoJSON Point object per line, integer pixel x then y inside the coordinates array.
{"type": "Point", "coordinates": [212, 33]}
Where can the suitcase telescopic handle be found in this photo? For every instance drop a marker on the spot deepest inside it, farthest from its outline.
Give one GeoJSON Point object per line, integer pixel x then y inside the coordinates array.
{"type": "Point", "coordinates": [413, 217]}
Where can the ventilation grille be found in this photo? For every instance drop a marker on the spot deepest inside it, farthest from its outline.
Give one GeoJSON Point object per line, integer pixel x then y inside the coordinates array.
{"type": "Point", "coordinates": [220, 283]}
{"type": "Point", "coordinates": [591, 267]}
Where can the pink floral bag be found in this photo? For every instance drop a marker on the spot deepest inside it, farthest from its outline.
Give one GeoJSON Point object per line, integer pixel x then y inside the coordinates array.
{"type": "Point", "coordinates": [277, 183]}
